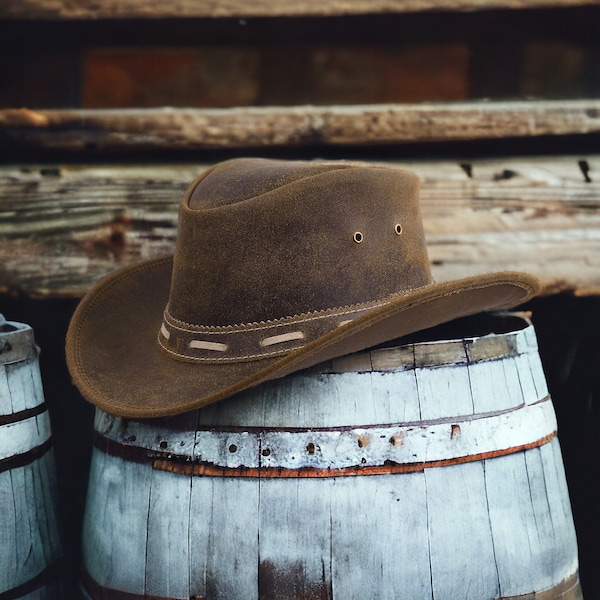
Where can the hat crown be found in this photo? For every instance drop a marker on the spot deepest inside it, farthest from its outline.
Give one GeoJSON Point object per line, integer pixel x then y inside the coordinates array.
{"type": "Point", "coordinates": [272, 254]}
{"type": "Point", "coordinates": [279, 266]}
{"type": "Point", "coordinates": [262, 240]}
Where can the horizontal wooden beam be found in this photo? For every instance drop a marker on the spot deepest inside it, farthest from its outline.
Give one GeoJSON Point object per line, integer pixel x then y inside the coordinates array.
{"type": "Point", "coordinates": [165, 129]}
{"type": "Point", "coordinates": [102, 9]}
{"type": "Point", "coordinates": [61, 228]}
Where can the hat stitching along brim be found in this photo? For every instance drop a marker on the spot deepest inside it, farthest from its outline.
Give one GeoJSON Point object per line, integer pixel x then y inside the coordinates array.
{"type": "Point", "coordinates": [253, 334]}
{"type": "Point", "coordinates": [336, 342]}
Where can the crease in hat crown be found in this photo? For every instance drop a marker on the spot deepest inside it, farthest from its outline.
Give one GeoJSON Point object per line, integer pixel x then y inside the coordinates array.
{"type": "Point", "coordinates": [278, 266]}
{"type": "Point", "coordinates": [291, 252]}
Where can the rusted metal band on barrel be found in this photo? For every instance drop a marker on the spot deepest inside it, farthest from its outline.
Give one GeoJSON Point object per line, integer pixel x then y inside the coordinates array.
{"type": "Point", "coordinates": [163, 461]}
{"type": "Point", "coordinates": [25, 458]}
{"type": "Point", "coordinates": [205, 470]}
{"type": "Point", "coordinates": [567, 589]}
{"type": "Point", "coordinates": [22, 415]}
{"type": "Point", "coordinates": [50, 575]}
{"type": "Point", "coordinates": [334, 452]}
{"type": "Point", "coordinates": [25, 436]}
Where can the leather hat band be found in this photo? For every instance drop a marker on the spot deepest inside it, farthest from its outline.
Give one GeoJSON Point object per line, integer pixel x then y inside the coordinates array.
{"type": "Point", "coordinates": [251, 341]}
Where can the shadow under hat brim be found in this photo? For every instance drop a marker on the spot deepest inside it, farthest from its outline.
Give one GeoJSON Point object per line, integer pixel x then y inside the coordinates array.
{"type": "Point", "coordinates": [115, 360]}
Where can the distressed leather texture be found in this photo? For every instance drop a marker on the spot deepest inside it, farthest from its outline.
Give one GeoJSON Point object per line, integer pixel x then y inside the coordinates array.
{"type": "Point", "coordinates": [279, 265]}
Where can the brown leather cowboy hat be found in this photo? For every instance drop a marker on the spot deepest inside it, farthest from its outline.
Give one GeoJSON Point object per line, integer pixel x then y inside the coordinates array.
{"type": "Point", "coordinates": [278, 266]}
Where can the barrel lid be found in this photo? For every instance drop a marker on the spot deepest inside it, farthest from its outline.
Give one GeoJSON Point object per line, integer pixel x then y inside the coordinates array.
{"type": "Point", "coordinates": [17, 342]}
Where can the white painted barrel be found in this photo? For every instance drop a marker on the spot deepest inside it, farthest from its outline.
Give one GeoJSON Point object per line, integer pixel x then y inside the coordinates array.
{"type": "Point", "coordinates": [430, 470]}
{"type": "Point", "coordinates": [30, 548]}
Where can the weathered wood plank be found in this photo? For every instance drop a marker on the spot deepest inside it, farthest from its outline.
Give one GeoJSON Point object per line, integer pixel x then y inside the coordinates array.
{"type": "Point", "coordinates": [29, 532]}
{"type": "Point", "coordinates": [89, 9]}
{"type": "Point", "coordinates": [534, 385]}
{"type": "Point", "coordinates": [464, 540]}
{"type": "Point", "coordinates": [9, 565]}
{"type": "Point", "coordinates": [518, 532]}
{"type": "Point", "coordinates": [89, 222]}
{"type": "Point", "coordinates": [440, 388]}
{"type": "Point", "coordinates": [24, 384]}
{"type": "Point", "coordinates": [384, 522]}
{"type": "Point", "coordinates": [351, 402]}
{"type": "Point", "coordinates": [529, 389]}
{"type": "Point", "coordinates": [432, 531]}
{"type": "Point", "coordinates": [24, 436]}
{"type": "Point", "coordinates": [115, 525]}
{"type": "Point", "coordinates": [63, 227]}
{"type": "Point", "coordinates": [224, 537]}
{"type": "Point", "coordinates": [521, 480]}
{"type": "Point", "coordinates": [395, 395]}
{"type": "Point", "coordinates": [560, 507]}
{"type": "Point", "coordinates": [30, 554]}
{"type": "Point", "coordinates": [493, 386]}
{"type": "Point", "coordinates": [5, 397]}
{"type": "Point", "coordinates": [167, 549]}
{"type": "Point", "coordinates": [97, 131]}
{"type": "Point", "coordinates": [295, 548]}
{"type": "Point", "coordinates": [48, 504]}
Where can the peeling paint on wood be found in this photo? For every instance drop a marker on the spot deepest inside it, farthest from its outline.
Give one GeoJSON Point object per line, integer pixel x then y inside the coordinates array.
{"type": "Point", "coordinates": [267, 531]}
{"type": "Point", "coordinates": [29, 531]}
{"type": "Point", "coordinates": [341, 453]}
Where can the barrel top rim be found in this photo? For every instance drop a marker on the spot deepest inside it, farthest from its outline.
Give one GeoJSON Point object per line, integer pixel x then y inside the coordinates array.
{"type": "Point", "coordinates": [16, 342]}
{"type": "Point", "coordinates": [446, 351]}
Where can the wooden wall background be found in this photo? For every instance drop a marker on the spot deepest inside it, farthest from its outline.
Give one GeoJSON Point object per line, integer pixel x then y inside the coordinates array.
{"type": "Point", "coordinates": [402, 54]}
{"type": "Point", "coordinates": [109, 109]}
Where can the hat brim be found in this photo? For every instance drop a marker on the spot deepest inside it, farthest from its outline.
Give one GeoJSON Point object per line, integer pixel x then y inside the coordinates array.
{"type": "Point", "coordinates": [115, 360]}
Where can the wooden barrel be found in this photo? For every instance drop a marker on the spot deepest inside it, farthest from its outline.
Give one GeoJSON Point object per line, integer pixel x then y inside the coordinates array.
{"type": "Point", "coordinates": [429, 470]}
{"type": "Point", "coordinates": [29, 535]}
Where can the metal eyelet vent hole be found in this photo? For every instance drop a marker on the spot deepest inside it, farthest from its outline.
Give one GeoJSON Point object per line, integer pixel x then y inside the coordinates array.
{"type": "Point", "coordinates": [358, 237]}
{"type": "Point", "coordinates": [398, 229]}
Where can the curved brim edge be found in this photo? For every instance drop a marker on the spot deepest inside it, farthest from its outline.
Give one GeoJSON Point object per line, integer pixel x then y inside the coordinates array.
{"type": "Point", "coordinates": [115, 361]}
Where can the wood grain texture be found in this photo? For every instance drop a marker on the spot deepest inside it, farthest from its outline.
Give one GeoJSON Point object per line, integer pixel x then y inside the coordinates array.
{"type": "Point", "coordinates": [8, 533]}
{"type": "Point", "coordinates": [343, 430]}
{"type": "Point", "coordinates": [366, 396]}
{"type": "Point", "coordinates": [497, 527]}
{"type": "Point", "coordinates": [354, 452]}
{"type": "Point", "coordinates": [95, 132]}
{"type": "Point", "coordinates": [29, 528]}
{"type": "Point", "coordinates": [24, 436]}
{"type": "Point", "coordinates": [225, 539]}
{"type": "Point", "coordinates": [520, 481]}
{"type": "Point", "coordinates": [453, 549]}
{"type": "Point", "coordinates": [88, 9]}
{"type": "Point", "coordinates": [167, 564]}
{"type": "Point", "coordinates": [117, 507]}
{"type": "Point", "coordinates": [295, 553]}
{"type": "Point", "coordinates": [380, 534]}
{"type": "Point", "coordinates": [61, 228]}
{"type": "Point", "coordinates": [21, 384]}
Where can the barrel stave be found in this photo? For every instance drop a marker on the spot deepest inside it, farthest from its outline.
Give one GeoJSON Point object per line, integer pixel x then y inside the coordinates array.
{"type": "Point", "coordinates": [379, 475]}
{"type": "Point", "coordinates": [30, 548]}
